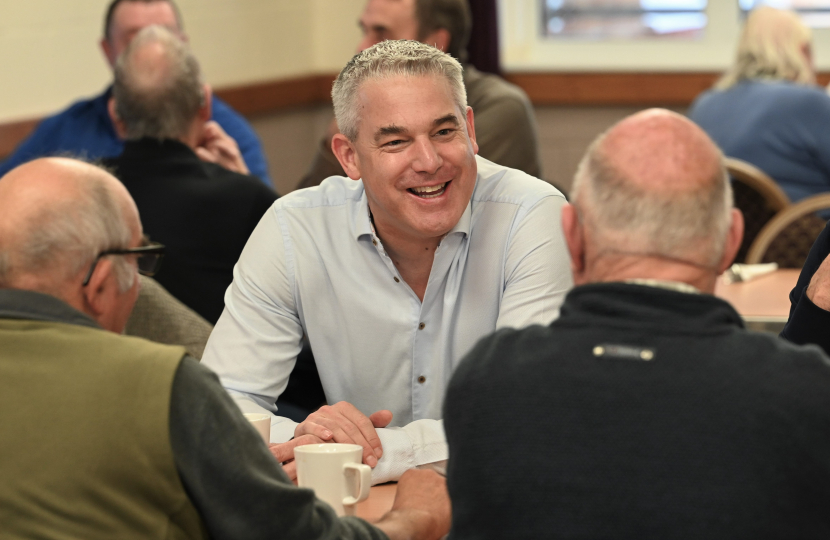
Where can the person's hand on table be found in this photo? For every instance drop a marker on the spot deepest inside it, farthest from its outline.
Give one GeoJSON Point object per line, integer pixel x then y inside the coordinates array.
{"type": "Point", "coordinates": [216, 146]}
{"type": "Point", "coordinates": [284, 452]}
{"type": "Point", "coordinates": [343, 423]}
{"type": "Point", "coordinates": [421, 509]}
{"type": "Point", "coordinates": [818, 291]}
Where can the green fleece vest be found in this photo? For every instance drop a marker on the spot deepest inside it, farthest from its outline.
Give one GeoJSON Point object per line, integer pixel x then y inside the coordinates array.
{"type": "Point", "coordinates": [84, 436]}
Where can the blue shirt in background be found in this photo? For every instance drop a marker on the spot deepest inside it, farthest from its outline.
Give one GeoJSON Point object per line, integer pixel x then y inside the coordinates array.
{"type": "Point", "coordinates": [85, 130]}
{"type": "Point", "coordinates": [781, 127]}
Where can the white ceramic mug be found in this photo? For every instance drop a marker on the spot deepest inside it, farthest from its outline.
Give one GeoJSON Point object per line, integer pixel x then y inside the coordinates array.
{"type": "Point", "coordinates": [262, 423]}
{"type": "Point", "coordinates": [335, 472]}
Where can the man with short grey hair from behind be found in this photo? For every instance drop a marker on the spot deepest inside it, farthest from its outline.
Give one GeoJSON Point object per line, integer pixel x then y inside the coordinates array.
{"type": "Point", "coordinates": [203, 212]}
{"type": "Point", "coordinates": [654, 413]}
{"type": "Point", "coordinates": [85, 127]}
{"type": "Point", "coordinates": [107, 436]}
{"type": "Point", "coordinates": [394, 272]}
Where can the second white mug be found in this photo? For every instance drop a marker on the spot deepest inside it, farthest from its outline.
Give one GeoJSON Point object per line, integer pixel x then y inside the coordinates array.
{"type": "Point", "coordinates": [262, 423]}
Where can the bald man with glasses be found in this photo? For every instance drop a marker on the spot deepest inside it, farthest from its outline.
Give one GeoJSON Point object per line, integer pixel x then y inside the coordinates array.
{"type": "Point", "coordinates": [108, 436]}
{"type": "Point", "coordinates": [148, 258]}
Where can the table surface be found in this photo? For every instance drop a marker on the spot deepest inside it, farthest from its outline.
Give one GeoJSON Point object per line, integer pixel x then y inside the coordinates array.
{"type": "Point", "coordinates": [766, 298]}
{"type": "Point", "coordinates": [379, 502]}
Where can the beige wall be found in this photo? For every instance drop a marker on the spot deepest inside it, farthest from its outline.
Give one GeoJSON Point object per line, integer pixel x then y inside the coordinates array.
{"type": "Point", "coordinates": [49, 53]}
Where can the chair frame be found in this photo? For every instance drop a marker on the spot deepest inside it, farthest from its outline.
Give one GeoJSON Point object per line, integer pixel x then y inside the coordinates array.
{"type": "Point", "coordinates": [759, 181]}
{"type": "Point", "coordinates": [782, 219]}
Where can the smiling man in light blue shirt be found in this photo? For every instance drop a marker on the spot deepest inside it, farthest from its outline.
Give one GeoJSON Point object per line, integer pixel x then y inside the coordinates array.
{"type": "Point", "coordinates": [395, 273]}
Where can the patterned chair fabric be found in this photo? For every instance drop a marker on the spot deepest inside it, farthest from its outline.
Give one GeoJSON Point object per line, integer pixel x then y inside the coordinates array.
{"type": "Point", "coordinates": [757, 196]}
{"type": "Point", "coordinates": [160, 317]}
{"type": "Point", "coordinates": [788, 237]}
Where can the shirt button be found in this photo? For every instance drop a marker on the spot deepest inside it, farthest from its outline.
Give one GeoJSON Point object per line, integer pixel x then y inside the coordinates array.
{"type": "Point", "coordinates": [396, 280]}
{"type": "Point", "coordinates": [421, 326]}
{"type": "Point", "coordinates": [422, 379]}
{"type": "Point", "coordinates": [375, 242]}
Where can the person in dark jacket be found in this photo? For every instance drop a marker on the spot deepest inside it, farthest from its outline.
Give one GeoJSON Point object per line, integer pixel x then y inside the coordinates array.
{"type": "Point", "coordinates": [809, 320]}
{"type": "Point", "coordinates": [203, 212]}
{"type": "Point", "coordinates": [646, 410]}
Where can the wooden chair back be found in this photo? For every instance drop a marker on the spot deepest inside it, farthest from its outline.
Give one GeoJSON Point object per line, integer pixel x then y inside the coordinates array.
{"type": "Point", "coordinates": [757, 196]}
{"type": "Point", "coordinates": [788, 237]}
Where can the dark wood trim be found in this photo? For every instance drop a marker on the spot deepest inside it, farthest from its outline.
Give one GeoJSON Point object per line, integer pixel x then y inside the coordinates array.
{"type": "Point", "coordinates": [645, 89]}
{"type": "Point", "coordinates": [266, 97]}
{"type": "Point", "coordinates": [550, 88]}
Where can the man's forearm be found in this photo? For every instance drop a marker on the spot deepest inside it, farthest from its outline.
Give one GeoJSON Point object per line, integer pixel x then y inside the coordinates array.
{"type": "Point", "coordinates": [408, 525]}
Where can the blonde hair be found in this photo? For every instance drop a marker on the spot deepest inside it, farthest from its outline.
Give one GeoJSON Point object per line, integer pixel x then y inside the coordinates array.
{"type": "Point", "coordinates": [771, 47]}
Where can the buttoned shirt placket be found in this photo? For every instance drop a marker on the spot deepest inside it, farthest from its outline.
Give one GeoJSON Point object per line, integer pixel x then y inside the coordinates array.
{"type": "Point", "coordinates": [424, 333]}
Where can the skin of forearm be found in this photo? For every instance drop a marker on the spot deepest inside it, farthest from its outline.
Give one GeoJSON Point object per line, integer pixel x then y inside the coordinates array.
{"type": "Point", "coordinates": [409, 525]}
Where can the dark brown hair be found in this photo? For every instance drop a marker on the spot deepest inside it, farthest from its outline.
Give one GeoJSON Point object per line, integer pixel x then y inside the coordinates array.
{"type": "Point", "coordinates": [451, 15]}
{"type": "Point", "coordinates": [115, 3]}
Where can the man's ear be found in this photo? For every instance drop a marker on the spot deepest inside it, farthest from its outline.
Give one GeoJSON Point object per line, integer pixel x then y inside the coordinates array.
{"type": "Point", "coordinates": [109, 53]}
{"type": "Point", "coordinates": [440, 39]}
{"type": "Point", "coordinates": [471, 129]}
{"type": "Point", "coordinates": [345, 152]}
{"type": "Point", "coordinates": [575, 239]}
{"type": "Point", "coordinates": [206, 109]}
{"type": "Point", "coordinates": [733, 241]}
{"type": "Point", "coordinates": [101, 292]}
{"type": "Point", "coordinates": [120, 128]}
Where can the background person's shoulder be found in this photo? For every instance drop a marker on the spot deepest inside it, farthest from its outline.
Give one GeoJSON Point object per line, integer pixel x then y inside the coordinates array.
{"type": "Point", "coordinates": [497, 183]}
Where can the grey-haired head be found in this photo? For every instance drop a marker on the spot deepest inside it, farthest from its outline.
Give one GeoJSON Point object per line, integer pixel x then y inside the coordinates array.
{"type": "Point", "coordinates": [386, 60]}
{"type": "Point", "coordinates": [158, 88]}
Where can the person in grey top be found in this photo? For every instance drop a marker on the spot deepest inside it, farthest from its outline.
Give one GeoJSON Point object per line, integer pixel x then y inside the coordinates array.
{"type": "Point", "coordinates": [70, 245]}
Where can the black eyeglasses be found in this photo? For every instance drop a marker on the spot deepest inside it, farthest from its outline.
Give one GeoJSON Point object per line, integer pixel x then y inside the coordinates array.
{"type": "Point", "coordinates": [149, 259]}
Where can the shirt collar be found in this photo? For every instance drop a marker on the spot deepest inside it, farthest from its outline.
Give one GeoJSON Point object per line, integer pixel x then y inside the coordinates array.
{"type": "Point", "coordinates": [362, 221]}
{"type": "Point", "coordinates": [665, 284]}
{"type": "Point", "coordinates": [30, 305]}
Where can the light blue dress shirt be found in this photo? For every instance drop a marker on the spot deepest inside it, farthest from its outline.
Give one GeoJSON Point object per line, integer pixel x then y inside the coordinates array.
{"type": "Point", "coordinates": [315, 265]}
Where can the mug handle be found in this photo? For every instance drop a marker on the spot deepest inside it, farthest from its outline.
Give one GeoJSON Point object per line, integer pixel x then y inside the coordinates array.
{"type": "Point", "coordinates": [364, 475]}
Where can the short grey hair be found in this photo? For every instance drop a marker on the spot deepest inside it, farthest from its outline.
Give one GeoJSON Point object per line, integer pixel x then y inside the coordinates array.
{"type": "Point", "coordinates": [624, 217]}
{"type": "Point", "coordinates": [771, 47]}
{"type": "Point", "coordinates": [391, 59]}
{"type": "Point", "coordinates": [166, 109]}
{"type": "Point", "coordinates": [66, 237]}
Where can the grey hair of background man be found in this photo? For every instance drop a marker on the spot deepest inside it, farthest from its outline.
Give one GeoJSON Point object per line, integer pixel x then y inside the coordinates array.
{"type": "Point", "coordinates": [68, 236]}
{"type": "Point", "coordinates": [389, 59]}
{"type": "Point", "coordinates": [152, 106]}
{"type": "Point", "coordinates": [689, 226]}
{"type": "Point", "coordinates": [771, 47]}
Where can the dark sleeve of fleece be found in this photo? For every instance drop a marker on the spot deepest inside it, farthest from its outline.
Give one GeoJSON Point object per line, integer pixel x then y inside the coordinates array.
{"type": "Point", "coordinates": [809, 323]}
{"type": "Point", "coordinates": [232, 479]}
